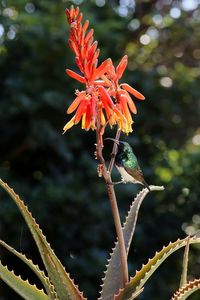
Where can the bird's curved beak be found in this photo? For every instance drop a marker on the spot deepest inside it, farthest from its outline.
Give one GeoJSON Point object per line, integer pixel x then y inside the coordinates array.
{"type": "Point", "coordinates": [115, 141]}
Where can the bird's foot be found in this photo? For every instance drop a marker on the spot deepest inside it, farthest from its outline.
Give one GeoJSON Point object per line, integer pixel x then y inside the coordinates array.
{"type": "Point", "coordinates": [117, 182]}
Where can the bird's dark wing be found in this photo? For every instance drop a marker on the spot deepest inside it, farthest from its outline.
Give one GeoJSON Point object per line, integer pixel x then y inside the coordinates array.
{"type": "Point", "coordinates": [137, 175]}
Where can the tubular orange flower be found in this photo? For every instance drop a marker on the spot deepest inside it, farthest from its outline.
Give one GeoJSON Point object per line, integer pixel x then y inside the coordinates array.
{"type": "Point", "coordinates": [104, 100]}
{"type": "Point", "coordinates": [120, 92]}
{"type": "Point", "coordinates": [90, 104]}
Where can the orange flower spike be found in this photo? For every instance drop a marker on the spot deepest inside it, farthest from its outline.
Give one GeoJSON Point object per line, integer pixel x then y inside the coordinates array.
{"type": "Point", "coordinates": [132, 91]}
{"type": "Point", "coordinates": [121, 66]}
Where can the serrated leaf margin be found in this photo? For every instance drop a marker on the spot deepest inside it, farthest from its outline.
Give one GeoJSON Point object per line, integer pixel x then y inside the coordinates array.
{"type": "Point", "coordinates": [141, 276]}
{"type": "Point", "coordinates": [22, 287]}
{"type": "Point", "coordinates": [64, 285]}
{"type": "Point", "coordinates": [186, 290]}
{"type": "Point", "coordinates": [113, 278]}
{"type": "Point", "coordinates": [35, 268]}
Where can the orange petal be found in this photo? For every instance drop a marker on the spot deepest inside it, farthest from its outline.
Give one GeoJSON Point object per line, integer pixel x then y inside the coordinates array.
{"type": "Point", "coordinates": [83, 122]}
{"type": "Point", "coordinates": [79, 19]}
{"type": "Point", "coordinates": [123, 101]}
{"type": "Point", "coordinates": [105, 97]}
{"type": "Point", "coordinates": [121, 66]}
{"type": "Point", "coordinates": [103, 119]}
{"type": "Point", "coordinates": [120, 116]}
{"type": "Point", "coordinates": [101, 82]}
{"type": "Point", "coordinates": [93, 62]}
{"type": "Point", "coordinates": [72, 12]}
{"type": "Point", "coordinates": [102, 68]}
{"type": "Point", "coordinates": [76, 102]}
{"type": "Point", "coordinates": [93, 109]}
{"type": "Point", "coordinates": [67, 12]}
{"type": "Point", "coordinates": [75, 76]}
{"type": "Point", "coordinates": [69, 124]}
{"type": "Point", "coordinates": [80, 111]}
{"type": "Point", "coordinates": [85, 25]}
{"type": "Point", "coordinates": [88, 117]}
{"type": "Point", "coordinates": [89, 35]}
{"type": "Point", "coordinates": [78, 62]}
{"type": "Point", "coordinates": [131, 90]}
{"type": "Point", "coordinates": [76, 12]}
{"type": "Point", "coordinates": [130, 102]}
{"type": "Point", "coordinates": [107, 81]}
{"type": "Point", "coordinates": [73, 46]}
{"type": "Point", "coordinates": [92, 50]}
{"type": "Point", "coordinates": [79, 30]}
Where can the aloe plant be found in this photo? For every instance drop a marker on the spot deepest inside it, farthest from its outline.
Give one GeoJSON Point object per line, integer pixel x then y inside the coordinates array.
{"type": "Point", "coordinates": [104, 102]}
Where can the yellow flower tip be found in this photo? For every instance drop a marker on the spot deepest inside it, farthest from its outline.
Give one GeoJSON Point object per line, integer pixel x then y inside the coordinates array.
{"type": "Point", "coordinates": [69, 125]}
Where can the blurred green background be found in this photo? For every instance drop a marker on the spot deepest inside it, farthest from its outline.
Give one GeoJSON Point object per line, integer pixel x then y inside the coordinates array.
{"type": "Point", "coordinates": [56, 174]}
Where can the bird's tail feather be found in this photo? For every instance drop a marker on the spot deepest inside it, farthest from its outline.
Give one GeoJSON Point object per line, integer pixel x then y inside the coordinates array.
{"type": "Point", "coordinates": [146, 185]}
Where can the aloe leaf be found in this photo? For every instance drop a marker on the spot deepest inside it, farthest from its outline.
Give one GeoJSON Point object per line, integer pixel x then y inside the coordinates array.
{"type": "Point", "coordinates": [134, 295]}
{"type": "Point", "coordinates": [137, 282]}
{"type": "Point", "coordinates": [20, 286]}
{"type": "Point", "coordinates": [40, 274]}
{"type": "Point", "coordinates": [113, 279]}
{"type": "Point", "coordinates": [64, 285]}
{"type": "Point", "coordinates": [185, 291]}
{"type": "Point", "coordinates": [185, 263]}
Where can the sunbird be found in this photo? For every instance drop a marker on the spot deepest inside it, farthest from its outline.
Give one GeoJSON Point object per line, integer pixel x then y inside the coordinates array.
{"type": "Point", "coordinates": [127, 164]}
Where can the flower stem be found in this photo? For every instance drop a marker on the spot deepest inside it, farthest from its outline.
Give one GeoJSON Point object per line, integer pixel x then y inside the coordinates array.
{"type": "Point", "coordinates": [114, 207]}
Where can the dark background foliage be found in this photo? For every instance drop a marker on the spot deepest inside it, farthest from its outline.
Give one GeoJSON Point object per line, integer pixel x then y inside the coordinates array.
{"type": "Point", "coordinates": [56, 174]}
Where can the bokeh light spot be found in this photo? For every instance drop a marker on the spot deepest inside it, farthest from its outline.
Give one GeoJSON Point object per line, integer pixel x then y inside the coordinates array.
{"type": "Point", "coordinates": [188, 5]}
{"type": "Point", "coordinates": [145, 39]}
{"type": "Point", "coordinates": [157, 19]}
{"type": "Point", "coordinates": [123, 11]}
{"type": "Point", "coordinates": [29, 7]}
{"type": "Point", "coordinates": [175, 12]}
{"type": "Point", "coordinates": [1, 30]}
{"type": "Point", "coordinates": [100, 3]}
{"type": "Point", "coordinates": [196, 140]}
{"type": "Point", "coordinates": [134, 24]}
{"type": "Point", "coordinates": [77, 2]}
{"type": "Point", "coordinates": [166, 82]}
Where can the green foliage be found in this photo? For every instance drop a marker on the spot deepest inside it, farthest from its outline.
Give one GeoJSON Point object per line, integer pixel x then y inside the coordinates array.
{"type": "Point", "coordinates": [113, 274]}
{"type": "Point", "coordinates": [22, 287]}
{"type": "Point", "coordinates": [40, 274]}
{"type": "Point", "coordinates": [59, 285]}
{"type": "Point", "coordinates": [63, 285]}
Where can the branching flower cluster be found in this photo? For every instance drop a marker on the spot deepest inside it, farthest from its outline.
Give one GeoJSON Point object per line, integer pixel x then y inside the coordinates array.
{"type": "Point", "coordinates": [104, 100]}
